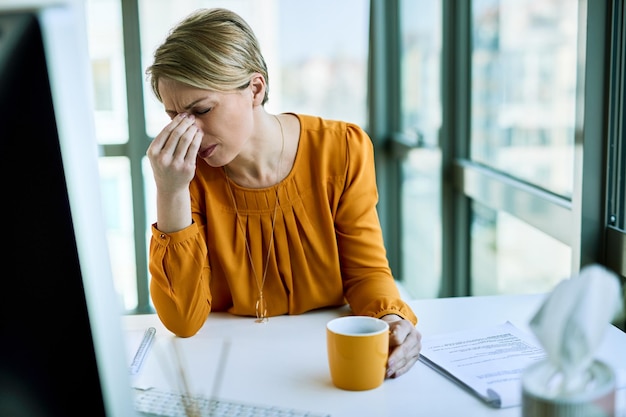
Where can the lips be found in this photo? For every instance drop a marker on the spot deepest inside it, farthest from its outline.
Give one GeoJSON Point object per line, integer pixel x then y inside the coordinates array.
{"type": "Point", "coordinates": [205, 153]}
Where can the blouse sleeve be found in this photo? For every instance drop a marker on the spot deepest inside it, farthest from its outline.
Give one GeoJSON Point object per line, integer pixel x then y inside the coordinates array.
{"type": "Point", "coordinates": [179, 276]}
{"type": "Point", "coordinates": [369, 286]}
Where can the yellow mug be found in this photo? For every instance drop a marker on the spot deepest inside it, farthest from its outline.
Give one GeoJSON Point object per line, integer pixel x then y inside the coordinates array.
{"type": "Point", "coordinates": [358, 347]}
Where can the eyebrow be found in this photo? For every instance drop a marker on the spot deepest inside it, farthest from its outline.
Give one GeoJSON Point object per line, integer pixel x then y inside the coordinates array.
{"type": "Point", "coordinates": [187, 107]}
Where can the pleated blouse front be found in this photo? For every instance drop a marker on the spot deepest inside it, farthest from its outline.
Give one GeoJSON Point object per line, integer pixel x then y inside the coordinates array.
{"type": "Point", "coordinates": [315, 237]}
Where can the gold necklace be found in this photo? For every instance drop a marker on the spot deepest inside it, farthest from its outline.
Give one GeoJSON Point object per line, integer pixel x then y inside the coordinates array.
{"type": "Point", "coordinates": [261, 305]}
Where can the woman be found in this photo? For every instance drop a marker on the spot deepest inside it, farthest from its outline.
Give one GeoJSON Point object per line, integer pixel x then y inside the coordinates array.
{"type": "Point", "coordinates": [260, 214]}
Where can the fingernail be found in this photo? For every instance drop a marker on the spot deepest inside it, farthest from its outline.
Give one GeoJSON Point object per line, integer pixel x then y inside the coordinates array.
{"type": "Point", "coordinates": [390, 368]}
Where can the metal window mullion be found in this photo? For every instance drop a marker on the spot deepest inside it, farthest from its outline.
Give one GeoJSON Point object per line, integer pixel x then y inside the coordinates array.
{"type": "Point", "coordinates": [137, 145]}
{"type": "Point", "coordinates": [589, 193]}
{"type": "Point", "coordinates": [454, 140]}
{"type": "Point", "coordinates": [615, 254]}
{"type": "Point", "coordinates": [384, 118]}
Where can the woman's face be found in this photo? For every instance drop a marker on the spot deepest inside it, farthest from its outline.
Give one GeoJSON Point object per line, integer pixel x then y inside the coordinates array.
{"type": "Point", "coordinates": [226, 119]}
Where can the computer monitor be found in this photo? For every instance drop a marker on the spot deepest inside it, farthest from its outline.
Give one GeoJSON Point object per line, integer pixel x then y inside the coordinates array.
{"type": "Point", "coordinates": [62, 350]}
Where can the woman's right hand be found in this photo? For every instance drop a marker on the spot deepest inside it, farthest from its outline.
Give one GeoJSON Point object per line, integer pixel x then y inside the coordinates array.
{"type": "Point", "coordinates": [173, 152]}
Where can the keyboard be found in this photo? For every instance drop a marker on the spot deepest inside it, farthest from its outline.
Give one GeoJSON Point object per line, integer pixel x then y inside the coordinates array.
{"type": "Point", "coordinates": [170, 404]}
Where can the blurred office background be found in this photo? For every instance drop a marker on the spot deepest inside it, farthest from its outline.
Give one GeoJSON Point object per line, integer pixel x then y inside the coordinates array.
{"type": "Point", "coordinates": [498, 128]}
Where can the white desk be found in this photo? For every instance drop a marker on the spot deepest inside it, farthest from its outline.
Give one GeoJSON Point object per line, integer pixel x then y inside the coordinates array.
{"type": "Point", "coordinates": [284, 362]}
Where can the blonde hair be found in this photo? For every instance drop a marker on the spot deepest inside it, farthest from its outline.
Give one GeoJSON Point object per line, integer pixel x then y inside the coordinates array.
{"type": "Point", "coordinates": [213, 49]}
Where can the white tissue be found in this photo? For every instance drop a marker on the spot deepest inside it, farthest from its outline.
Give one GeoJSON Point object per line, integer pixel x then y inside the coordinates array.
{"type": "Point", "coordinates": [572, 321]}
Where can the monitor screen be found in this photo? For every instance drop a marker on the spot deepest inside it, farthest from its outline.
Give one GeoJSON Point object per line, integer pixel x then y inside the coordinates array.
{"type": "Point", "coordinates": [62, 350]}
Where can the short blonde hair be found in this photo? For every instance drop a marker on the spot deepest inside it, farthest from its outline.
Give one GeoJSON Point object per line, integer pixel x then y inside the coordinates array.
{"type": "Point", "coordinates": [213, 49]}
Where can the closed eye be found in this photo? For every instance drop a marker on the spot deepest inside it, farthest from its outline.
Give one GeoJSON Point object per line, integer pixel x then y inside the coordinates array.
{"type": "Point", "coordinates": [205, 111]}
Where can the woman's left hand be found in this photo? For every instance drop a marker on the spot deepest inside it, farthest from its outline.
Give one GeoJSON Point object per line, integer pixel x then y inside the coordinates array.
{"type": "Point", "coordinates": [405, 343]}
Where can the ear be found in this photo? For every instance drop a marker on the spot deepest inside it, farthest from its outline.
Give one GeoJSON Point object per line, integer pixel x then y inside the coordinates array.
{"type": "Point", "coordinates": [257, 85]}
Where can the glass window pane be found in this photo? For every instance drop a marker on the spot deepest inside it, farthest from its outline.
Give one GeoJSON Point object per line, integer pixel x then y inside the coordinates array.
{"type": "Point", "coordinates": [509, 256]}
{"type": "Point", "coordinates": [322, 50]}
{"type": "Point", "coordinates": [421, 223]}
{"type": "Point", "coordinates": [106, 51]}
{"type": "Point", "coordinates": [420, 170]}
{"type": "Point", "coordinates": [420, 29]}
{"type": "Point", "coordinates": [524, 61]}
{"type": "Point", "coordinates": [118, 212]}
{"type": "Point", "coordinates": [316, 52]}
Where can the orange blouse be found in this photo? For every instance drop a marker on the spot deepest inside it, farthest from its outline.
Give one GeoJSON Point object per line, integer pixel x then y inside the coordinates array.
{"type": "Point", "coordinates": [327, 248]}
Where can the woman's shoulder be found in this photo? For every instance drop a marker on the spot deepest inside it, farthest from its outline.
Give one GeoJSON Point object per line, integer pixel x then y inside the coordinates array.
{"type": "Point", "coordinates": [322, 129]}
{"type": "Point", "coordinates": [331, 146]}
{"type": "Point", "coordinates": [317, 123]}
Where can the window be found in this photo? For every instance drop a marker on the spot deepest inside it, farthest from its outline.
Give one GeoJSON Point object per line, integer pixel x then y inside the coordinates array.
{"type": "Point", "coordinates": [524, 60]}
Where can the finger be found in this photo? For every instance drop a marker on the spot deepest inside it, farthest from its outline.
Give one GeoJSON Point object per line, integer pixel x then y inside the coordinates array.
{"type": "Point", "coordinates": [161, 139]}
{"type": "Point", "coordinates": [180, 137]}
{"type": "Point", "coordinates": [401, 362]}
{"type": "Point", "coordinates": [167, 140]}
{"type": "Point", "coordinates": [400, 355]}
{"type": "Point", "coordinates": [405, 354]}
{"type": "Point", "coordinates": [185, 140]}
{"type": "Point", "coordinates": [404, 367]}
{"type": "Point", "coordinates": [398, 331]}
{"type": "Point", "coordinates": [194, 147]}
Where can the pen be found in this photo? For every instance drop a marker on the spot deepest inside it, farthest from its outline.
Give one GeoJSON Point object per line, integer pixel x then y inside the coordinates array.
{"type": "Point", "coordinates": [142, 350]}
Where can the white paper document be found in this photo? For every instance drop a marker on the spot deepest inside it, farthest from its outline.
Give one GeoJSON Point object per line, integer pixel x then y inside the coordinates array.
{"type": "Point", "coordinates": [487, 361]}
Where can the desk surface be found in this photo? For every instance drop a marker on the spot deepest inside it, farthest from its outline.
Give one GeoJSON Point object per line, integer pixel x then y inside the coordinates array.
{"type": "Point", "coordinates": [283, 362]}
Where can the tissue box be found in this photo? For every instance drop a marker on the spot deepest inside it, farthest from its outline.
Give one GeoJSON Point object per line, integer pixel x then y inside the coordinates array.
{"type": "Point", "coordinates": [543, 396]}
